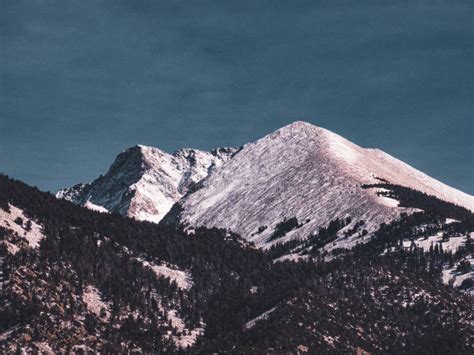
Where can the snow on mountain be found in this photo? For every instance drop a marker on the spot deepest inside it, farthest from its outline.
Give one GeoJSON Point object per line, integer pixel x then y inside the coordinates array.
{"type": "Point", "coordinates": [300, 171]}
{"type": "Point", "coordinates": [182, 278]}
{"type": "Point", "coordinates": [96, 208]}
{"type": "Point", "coordinates": [94, 303]}
{"type": "Point", "coordinates": [457, 277]}
{"type": "Point", "coordinates": [452, 244]}
{"type": "Point", "coordinates": [186, 337]}
{"type": "Point", "coordinates": [263, 316]}
{"type": "Point", "coordinates": [145, 182]}
{"type": "Point", "coordinates": [25, 229]}
{"type": "Point", "coordinates": [306, 172]}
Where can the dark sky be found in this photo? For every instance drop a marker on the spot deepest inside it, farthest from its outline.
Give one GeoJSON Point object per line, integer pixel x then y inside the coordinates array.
{"type": "Point", "coordinates": [82, 80]}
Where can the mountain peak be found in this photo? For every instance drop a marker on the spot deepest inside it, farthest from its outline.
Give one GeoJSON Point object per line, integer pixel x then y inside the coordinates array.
{"type": "Point", "coordinates": [299, 127]}
{"type": "Point", "coordinates": [300, 133]}
{"type": "Point", "coordinates": [296, 125]}
{"type": "Point", "coordinates": [144, 182]}
{"type": "Point", "coordinates": [300, 170]}
{"type": "Point", "coordinates": [306, 172]}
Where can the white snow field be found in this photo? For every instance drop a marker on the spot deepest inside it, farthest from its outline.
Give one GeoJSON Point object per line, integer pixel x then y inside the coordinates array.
{"type": "Point", "coordinates": [32, 234]}
{"type": "Point", "coordinates": [306, 172]}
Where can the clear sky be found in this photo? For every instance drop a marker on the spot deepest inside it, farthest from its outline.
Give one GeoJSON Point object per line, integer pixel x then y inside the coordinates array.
{"type": "Point", "coordinates": [82, 80]}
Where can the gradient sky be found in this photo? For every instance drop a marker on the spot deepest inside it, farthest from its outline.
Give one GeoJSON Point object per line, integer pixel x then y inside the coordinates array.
{"type": "Point", "coordinates": [82, 80]}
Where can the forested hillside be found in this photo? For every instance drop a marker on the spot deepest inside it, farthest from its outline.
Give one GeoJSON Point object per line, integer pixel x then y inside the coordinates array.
{"type": "Point", "coordinates": [79, 280]}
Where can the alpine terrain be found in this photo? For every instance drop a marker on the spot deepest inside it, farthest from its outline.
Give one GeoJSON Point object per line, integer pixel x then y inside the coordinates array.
{"type": "Point", "coordinates": [145, 182]}
{"type": "Point", "coordinates": [300, 242]}
{"type": "Point", "coordinates": [305, 172]}
{"type": "Point", "coordinates": [300, 173]}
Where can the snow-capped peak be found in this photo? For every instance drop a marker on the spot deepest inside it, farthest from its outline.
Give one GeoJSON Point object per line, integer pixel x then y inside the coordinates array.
{"type": "Point", "coordinates": [144, 182]}
{"type": "Point", "coordinates": [306, 172]}
{"type": "Point", "coordinates": [300, 170]}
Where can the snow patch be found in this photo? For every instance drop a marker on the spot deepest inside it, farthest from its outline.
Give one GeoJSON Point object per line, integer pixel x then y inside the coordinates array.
{"type": "Point", "coordinates": [27, 229]}
{"type": "Point", "coordinates": [387, 201]}
{"type": "Point", "coordinates": [456, 278]}
{"type": "Point", "coordinates": [291, 257]}
{"type": "Point", "coordinates": [94, 303]}
{"type": "Point", "coordinates": [250, 324]}
{"type": "Point", "coordinates": [96, 208]}
{"type": "Point", "coordinates": [183, 279]}
{"type": "Point", "coordinates": [329, 340]}
{"type": "Point", "coordinates": [44, 348]}
{"type": "Point", "coordinates": [185, 337]}
{"type": "Point", "coordinates": [450, 221]}
{"type": "Point", "coordinates": [453, 244]}
{"type": "Point", "coordinates": [11, 248]}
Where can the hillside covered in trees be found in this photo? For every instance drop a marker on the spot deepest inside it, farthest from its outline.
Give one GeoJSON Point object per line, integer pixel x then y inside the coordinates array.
{"type": "Point", "coordinates": [79, 280]}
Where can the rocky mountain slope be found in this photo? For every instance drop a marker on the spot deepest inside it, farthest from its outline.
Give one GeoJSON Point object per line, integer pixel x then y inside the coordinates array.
{"type": "Point", "coordinates": [306, 172]}
{"type": "Point", "coordinates": [300, 173]}
{"type": "Point", "coordinates": [145, 182]}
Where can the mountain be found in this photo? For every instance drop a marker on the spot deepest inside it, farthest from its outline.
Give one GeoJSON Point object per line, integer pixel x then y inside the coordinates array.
{"type": "Point", "coordinates": [145, 182]}
{"type": "Point", "coordinates": [305, 172]}
{"type": "Point", "coordinates": [283, 187]}
{"type": "Point", "coordinates": [299, 178]}
{"type": "Point", "coordinates": [75, 280]}
{"type": "Point", "coordinates": [321, 247]}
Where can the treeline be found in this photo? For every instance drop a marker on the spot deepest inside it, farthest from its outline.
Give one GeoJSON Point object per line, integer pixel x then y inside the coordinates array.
{"type": "Point", "coordinates": [430, 204]}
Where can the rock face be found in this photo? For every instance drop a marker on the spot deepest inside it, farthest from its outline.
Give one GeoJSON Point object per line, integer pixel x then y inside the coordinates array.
{"type": "Point", "coordinates": [300, 171]}
{"type": "Point", "coordinates": [306, 172]}
{"type": "Point", "coordinates": [145, 182]}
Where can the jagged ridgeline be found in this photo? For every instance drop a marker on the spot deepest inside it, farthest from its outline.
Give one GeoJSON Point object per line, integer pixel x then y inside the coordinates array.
{"type": "Point", "coordinates": [300, 172]}
{"type": "Point", "coordinates": [79, 280]}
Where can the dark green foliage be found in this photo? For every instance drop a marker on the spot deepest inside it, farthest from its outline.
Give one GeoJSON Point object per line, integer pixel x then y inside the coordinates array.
{"type": "Point", "coordinates": [358, 297]}
{"type": "Point", "coordinates": [313, 243]}
{"type": "Point", "coordinates": [467, 284]}
{"type": "Point", "coordinates": [28, 225]}
{"type": "Point", "coordinates": [285, 226]}
{"type": "Point", "coordinates": [464, 266]}
{"type": "Point", "coordinates": [326, 235]}
{"type": "Point", "coordinates": [260, 229]}
{"type": "Point", "coordinates": [430, 204]}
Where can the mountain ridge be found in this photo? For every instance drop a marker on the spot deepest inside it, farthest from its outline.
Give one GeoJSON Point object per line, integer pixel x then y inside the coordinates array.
{"type": "Point", "coordinates": [144, 182]}
{"type": "Point", "coordinates": [299, 171]}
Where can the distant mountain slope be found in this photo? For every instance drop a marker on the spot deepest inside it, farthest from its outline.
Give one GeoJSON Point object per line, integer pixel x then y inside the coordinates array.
{"type": "Point", "coordinates": [145, 182]}
{"type": "Point", "coordinates": [306, 172]}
